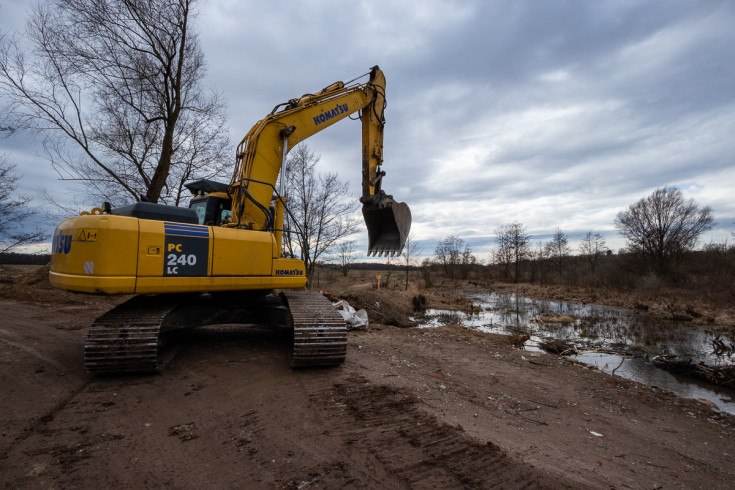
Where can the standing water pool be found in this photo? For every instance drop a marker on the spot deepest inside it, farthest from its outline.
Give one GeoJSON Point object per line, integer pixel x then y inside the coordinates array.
{"type": "Point", "coordinates": [627, 338]}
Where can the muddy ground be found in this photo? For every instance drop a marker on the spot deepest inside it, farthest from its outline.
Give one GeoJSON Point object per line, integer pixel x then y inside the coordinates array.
{"type": "Point", "coordinates": [445, 408]}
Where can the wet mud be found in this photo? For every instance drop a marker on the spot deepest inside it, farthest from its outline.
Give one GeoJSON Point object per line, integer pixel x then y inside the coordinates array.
{"type": "Point", "coordinates": [410, 408]}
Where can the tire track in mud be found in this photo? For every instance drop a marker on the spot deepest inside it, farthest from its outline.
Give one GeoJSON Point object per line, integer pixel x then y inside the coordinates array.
{"type": "Point", "coordinates": [58, 442]}
{"type": "Point", "coordinates": [39, 425]}
{"type": "Point", "coordinates": [418, 449]}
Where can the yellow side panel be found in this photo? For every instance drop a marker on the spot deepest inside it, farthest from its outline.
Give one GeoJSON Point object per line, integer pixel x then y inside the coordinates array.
{"type": "Point", "coordinates": [241, 259]}
{"type": "Point", "coordinates": [293, 268]}
{"type": "Point", "coordinates": [152, 285]}
{"type": "Point", "coordinates": [123, 255]}
{"type": "Point", "coordinates": [93, 284]}
{"type": "Point", "coordinates": [242, 252]}
{"type": "Point", "coordinates": [95, 253]}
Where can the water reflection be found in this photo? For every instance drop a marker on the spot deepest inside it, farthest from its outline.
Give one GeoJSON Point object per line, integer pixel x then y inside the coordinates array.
{"type": "Point", "coordinates": [634, 336]}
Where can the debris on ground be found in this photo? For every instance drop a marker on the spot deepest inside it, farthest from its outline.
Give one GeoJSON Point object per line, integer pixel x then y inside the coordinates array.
{"type": "Point", "coordinates": [383, 307]}
{"type": "Point", "coordinates": [718, 375]}
{"type": "Point", "coordinates": [353, 318]}
{"type": "Point", "coordinates": [559, 347]}
{"type": "Point", "coordinates": [185, 432]}
{"type": "Point", "coordinates": [518, 340]}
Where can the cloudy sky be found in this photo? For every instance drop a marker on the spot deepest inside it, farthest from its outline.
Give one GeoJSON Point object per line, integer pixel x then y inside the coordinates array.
{"type": "Point", "coordinates": [549, 113]}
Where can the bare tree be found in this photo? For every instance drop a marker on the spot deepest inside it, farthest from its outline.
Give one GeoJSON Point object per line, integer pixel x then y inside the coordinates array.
{"type": "Point", "coordinates": [449, 253]}
{"type": "Point", "coordinates": [426, 274]}
{"type": "Point", "coordinates": [114, 88]}
{"type": "Point", "coordinates": [592, 247]}
{"type": "Point", "coordinates": [14, 212]}
{"type": "Point", "coordinates": [513, 247]}
{"type": "Point", "coordinates": [558, 249]}
{"type": "Point", "coordinates": [320, 211]}
{"type": "Point", "coordinates": [468, 261]}
{"type": "Point", "coordinates": [664, 225]}
{"type": "Point", "coordinates": [503, 256]}
{"type": "Point", "coordinates": [538, 258]}
{"type": "Point", "coordinates": [346, 255]}
{"type": "Point", "coordinates": [410, 250]}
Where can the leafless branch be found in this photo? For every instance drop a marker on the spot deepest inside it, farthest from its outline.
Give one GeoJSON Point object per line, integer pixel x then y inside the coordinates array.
{"type": "Point", "coordinates": [114, 87]}
{"type": "Point", "coordinates": [320, 210]}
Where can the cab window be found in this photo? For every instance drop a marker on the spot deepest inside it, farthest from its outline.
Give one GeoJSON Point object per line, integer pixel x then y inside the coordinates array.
{"type": "Point", "coordinates": [201, 210]}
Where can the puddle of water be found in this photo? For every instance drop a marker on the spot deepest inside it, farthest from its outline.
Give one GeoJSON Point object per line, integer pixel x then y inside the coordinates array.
{"type": "Point", "coordinates": [598, 327]}
{"type": "Point", "coordinates": [641, 370]}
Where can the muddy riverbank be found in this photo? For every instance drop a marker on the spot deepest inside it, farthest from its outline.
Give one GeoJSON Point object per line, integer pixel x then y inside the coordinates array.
{"type": "Point", "coordinates": [692, 360]}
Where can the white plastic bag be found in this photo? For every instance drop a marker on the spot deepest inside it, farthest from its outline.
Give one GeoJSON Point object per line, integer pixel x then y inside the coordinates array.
{"type": "Point", "coordinates": [354, 319]}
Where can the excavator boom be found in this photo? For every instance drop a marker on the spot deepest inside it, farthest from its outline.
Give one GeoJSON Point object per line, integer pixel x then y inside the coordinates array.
{"type": "Point", "coordinates": [261, 155]}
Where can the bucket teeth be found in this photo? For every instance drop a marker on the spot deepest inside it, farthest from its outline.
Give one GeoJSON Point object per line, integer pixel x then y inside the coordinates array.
{"type": "Point", "coordinates": [384, 252]}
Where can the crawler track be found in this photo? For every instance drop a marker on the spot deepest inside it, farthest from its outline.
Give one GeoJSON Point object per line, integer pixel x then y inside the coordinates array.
{"type": "Point", "coordinates": [319, 331]}
{"type": "Point", "coordinates": [127, 339]}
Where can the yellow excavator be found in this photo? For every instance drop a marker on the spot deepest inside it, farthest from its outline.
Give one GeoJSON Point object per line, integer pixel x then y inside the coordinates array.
{"type": "Point", "coordinates": [220, 261]}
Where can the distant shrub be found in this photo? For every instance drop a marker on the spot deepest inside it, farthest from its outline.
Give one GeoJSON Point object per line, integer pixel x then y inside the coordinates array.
{"type": "Point", "coordinates": [419, 302]}
{"type": "Point", "coordinates": [650, 286]}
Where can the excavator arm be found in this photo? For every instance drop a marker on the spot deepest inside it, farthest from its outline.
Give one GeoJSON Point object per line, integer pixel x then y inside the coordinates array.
{"type": "Point", "coordinates": [261, 156]}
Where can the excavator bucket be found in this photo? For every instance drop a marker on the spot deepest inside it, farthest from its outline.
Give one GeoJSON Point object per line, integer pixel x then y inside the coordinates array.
{"type": "Point", "coordinates": [388, 224]}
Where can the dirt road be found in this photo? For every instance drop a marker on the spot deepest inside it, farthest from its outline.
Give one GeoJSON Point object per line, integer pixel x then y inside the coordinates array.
{"type": "Point", "coordinates": [410, 408]}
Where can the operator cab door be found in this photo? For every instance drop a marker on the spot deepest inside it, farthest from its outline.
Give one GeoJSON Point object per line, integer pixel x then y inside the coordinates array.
{"type": "Point", "coordinates": [211, 209]}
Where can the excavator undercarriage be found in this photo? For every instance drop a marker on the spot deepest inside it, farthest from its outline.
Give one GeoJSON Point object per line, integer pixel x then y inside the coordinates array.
{"type": "Point", "coordinates": [129, 338]}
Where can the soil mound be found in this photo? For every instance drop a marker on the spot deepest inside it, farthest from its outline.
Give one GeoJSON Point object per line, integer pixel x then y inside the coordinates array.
{"type": "Point", "coordinates": [37, 278]}
{"type": "Point", "coordinates": [383, 307]}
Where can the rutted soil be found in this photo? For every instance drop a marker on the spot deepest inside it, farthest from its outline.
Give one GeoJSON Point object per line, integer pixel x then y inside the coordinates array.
{"type": "Point", "coordinates": [446, 408]}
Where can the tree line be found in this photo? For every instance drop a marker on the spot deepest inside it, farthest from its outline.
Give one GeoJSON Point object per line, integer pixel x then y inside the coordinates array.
{"type": "Point", "coordinates": [661, 231]}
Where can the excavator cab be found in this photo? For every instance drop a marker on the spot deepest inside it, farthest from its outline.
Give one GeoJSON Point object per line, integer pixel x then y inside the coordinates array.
{"type": "Point", "coordinates": [211, 202]}
{"type": "Point", "coordinates": [212, 210]}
